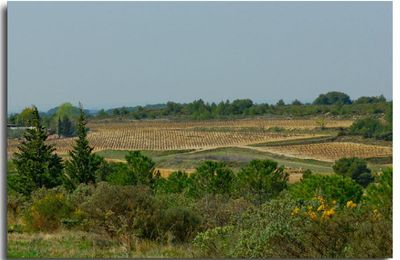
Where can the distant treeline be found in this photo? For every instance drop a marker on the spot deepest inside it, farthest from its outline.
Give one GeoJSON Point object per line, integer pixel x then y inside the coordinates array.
{"type": "Point", "coordinates": [331, 103]}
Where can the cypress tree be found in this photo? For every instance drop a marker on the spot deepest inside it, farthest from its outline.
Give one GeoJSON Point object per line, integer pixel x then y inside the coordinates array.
{"type": "Point", "coordinates": [59, 127]}
{"type": "Point", "coordinates": [36, 163]}
{"type": "Point", "coordinates": [82, 166]}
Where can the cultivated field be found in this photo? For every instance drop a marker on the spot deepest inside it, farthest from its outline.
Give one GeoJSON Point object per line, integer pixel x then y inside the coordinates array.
{"type": "Point", "coordinates": [170, 135]}
{"type": "Point", "coordinates": [178, 144]}
{"type": "Point", "coordinates": [331, 151]}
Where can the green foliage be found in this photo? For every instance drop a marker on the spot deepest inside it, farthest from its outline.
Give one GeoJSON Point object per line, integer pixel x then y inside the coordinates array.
{"type": "Point", "coordinates": [355, 168]}
{"type": "Point", "coordinates": [212, 178]}
{"type": "Point", "coordinates": [142, 169]}
{"type": "Point", "coordinates": [332, 98]}
{"type": "Point", "coordinates": [176, 182]}
{"type": "Point", "coordinates": [296, 102]}
{"type": "Point", "coordinates": [215, 242]}
{"type": "Point", "coordinates": [180, 222]}
{"type": "Point", "coordinates": [218, 210]}
{"type": "Point", "coordinates": [65, 127]}
{"type": "Point", "coordinates": [372, 128]}
{"type": "Point", "coordinates": [15, 206]}
{"type": "Point", "coordinates": [261, 180]}
{"type": "Point", "coordinates": [121, 211]}
{"type": "Point", "coordinates": [26, 117]}
{"type": "Point", "coordinates": [380, 193]}
{"type": "Point", "coordinates": [36, 163]}
{"type": "Point", "coordinates": [118, 174]}
{"type": "Point", "coordinates": [280, 103]}
{"type": "Point", "coordinates": [331, 187]}
{"type": "Point", "coordinates": [82, 166]}
{"type": "Point", "coordinates": [369, 100]}
{"type": "Point", "coordinates": [47, 209]}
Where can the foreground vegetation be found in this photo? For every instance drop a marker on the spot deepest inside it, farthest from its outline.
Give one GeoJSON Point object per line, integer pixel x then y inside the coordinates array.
{"type": "Point", "coordinates": [88, 207]}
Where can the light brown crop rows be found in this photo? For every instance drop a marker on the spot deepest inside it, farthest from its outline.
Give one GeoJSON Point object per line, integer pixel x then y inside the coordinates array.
{"type": "Point", "coordinates": [238, 123]}
{"type": "Point", "coordinates": [332, 151]}
{"type": "Point", "coordinates": [172, 135]}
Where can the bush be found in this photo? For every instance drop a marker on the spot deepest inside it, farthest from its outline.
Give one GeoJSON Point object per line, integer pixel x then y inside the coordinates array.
{"type": "Point", "coordinates": [121, 210]}
{"type": "Point", "coordinates": [211, 178]}
{"type": "Point", "coordinates": [181, 223]}
{"type": "Point", "coordinates": [15, 206]}
{"type": "Point", "coordinates": [218, 211]}
{"type": "Point", "coordinates": [176, 182]}
{"type": "Point", "coordinates": [372, 128]}
{"type": "Point", "coordinates": [215, 242]}
{"type": "Point", "coordinates": [317, 228]}
{"type": "Point", "coordinates": [261, 180]}
{"type": "Point", "coordinates": [355, 168]}
{"type": "Point", "coordinates": [331, 187]}
{"type": "Point", "coordinates": [141, 168]}
{"type": "Point", "coordinates": [47, 209]}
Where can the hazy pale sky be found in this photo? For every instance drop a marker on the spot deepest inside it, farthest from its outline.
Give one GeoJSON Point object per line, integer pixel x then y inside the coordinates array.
{"type": "Point", "coordinates": [108, 54]}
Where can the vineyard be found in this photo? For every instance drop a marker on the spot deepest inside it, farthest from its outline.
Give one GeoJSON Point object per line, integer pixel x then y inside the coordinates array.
{"type": "Point", "coordinates": [332, 151]}
{"type": "Point", "coordinates": [163, 135]}
{"type": "Point", "coordinates": [172, 135]}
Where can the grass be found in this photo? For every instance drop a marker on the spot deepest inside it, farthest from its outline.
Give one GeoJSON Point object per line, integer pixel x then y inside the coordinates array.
{"type": "Point", "coordinates": [120, 154]}
{"type": "Point", "coordinates": [78, 244]}
{"type": "Point", "coordinates": [234, 157]}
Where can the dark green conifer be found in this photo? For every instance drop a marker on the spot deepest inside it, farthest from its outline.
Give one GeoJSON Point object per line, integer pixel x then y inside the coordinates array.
{"type": "Point", "coordinates": [36, 163]}
{"type": "Point", "coordinates": [82, 166]}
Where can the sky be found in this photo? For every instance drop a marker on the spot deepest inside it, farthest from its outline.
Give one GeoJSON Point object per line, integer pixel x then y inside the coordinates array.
{"type": "Point", "coordinates": [110, 54]}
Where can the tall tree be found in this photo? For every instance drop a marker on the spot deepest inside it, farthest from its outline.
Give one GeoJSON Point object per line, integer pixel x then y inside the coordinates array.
{"type": "Point", "coordinates": [82, 166]}
{"type": "Point", "coordinates": [36, 163]}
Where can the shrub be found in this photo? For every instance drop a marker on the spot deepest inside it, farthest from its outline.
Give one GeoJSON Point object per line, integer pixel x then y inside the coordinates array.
{"type": "Point", "coordinates": [181, 223]}
{"type": "Point", "coordinates": [215, 242]}
{"type": "Point", "coordinates": [121, 210]}
{"type": "Point", "coordinates": [15, 205]}
{"type": "Point", "coordinates": [141, 168]}
{"type": "Point", "coordinates": [218, 211]}
{"type": "Point", "coordinates": [372, 128]}
{"type": "Point", "coordinates": [331, 187]}
{"type": "Point", "coordinates": [47, 209]}
{"type": "Point", "coordinates": [176, 182]}
{"type": "Point", "coordinates": [355, 168]}
{"type": "Point", "coordinates": [212, 178]}
{"type": "Point", "coordinates": [261, 180]}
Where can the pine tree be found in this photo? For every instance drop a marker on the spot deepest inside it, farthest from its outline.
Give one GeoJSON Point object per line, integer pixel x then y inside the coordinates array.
{"type": "Point", "coordinates": [36, 163]}
{"type": "Point", "coordinates": [83, 164]}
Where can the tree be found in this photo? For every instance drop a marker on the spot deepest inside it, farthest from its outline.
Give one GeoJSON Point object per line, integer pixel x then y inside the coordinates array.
{"type": "Point", "coordinates": [369, 100]}
{"type": "Point", "coordinates": [261, 180]}
{"type": "Point", "coordinates": [332, 98]}
{"type": "Point", "coordinates": [141, 168]}
{"type": "Point", "coordinates": [36, 163]}
{"type": "Point", "coordinates": [280, 103]}
{"type": "Point", "coordinates": [368, 127]}
{"type": "Point", "coordinates": [296, 102]}
{"type": "Point", "coordinates": [25, 118]}
{"type": "Point", "coordinates": [331, 187]}
{"type": "Point", "coordinates": [82, 166]}
{"type": "Point", "coordinates": [65, 127]}
{"type": "Point", "coordinates": [212, 178]}
{"type": "Point", "coordinates": [355, 168]}
{"type": "Point", "coordinates": [176, 182]}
